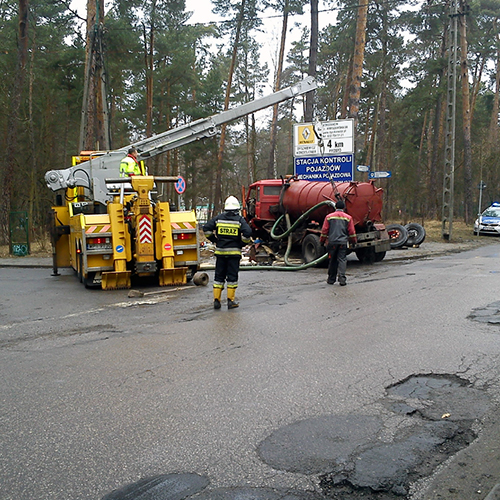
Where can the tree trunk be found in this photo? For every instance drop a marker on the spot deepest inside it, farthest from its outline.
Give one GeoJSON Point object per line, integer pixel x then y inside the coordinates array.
{"type": "Point", "coordinates": [438, 136]}
{"type": "Point", "coordinates": [33, 188]}
{"type": "Point", "coordinates": [94, 130]}
{"type": "Point", "coordinates": [13, 121]}
{"type": "Point", "coordinates": [381, 150]}
{"type": "Point", "coordinates": [357, 68]}
{"type": "Point", "coordinates": [149, 66]}
{"type": "Point", "coordinates": [220, 155]}
{"type": "Point", "coordinates": [344, 112]}
{"type": "Point", "coordinates": [493, 135]}
{"type": "Point", "coordinates": [466, 118]}
{"type": "Point", "coordinates": [271, 168]}
{"type": "Point", "coordinates": [313, 59]}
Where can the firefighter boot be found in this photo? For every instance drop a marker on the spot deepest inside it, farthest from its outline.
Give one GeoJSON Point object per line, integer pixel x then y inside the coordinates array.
{"type": "Point", "coordinates": [231, 302]}
{"type": "Point", "coordinates": [217, 295]}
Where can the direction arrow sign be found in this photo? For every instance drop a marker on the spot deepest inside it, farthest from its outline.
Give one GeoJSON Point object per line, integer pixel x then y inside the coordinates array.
{"type": "Point", "coordinates": [379, 175]}
{"type": "Point", "coordinates": [363, 168]}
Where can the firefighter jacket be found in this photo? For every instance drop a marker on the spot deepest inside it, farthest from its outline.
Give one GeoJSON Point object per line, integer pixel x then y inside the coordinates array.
{"type": "Point", "coordinates": [229, 231]}
{"type": "Point", "coordinates": [338, 229]}
{"type": "Point", "coordinates": [129, 166]}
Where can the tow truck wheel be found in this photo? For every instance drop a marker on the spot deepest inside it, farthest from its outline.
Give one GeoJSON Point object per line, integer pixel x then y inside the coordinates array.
{"type": "Point", "coordinates": [312, 249]}
{"type": "Point", "coordinates": [89, 281]}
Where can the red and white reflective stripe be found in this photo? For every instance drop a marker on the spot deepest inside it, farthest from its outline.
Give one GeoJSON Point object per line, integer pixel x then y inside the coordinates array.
{"type": "Point", "coordinates": [145, 230]}
{"type": "Point", "coordinates": [97, 229]}
{"type": "Point", "coordinates": [182, 225]}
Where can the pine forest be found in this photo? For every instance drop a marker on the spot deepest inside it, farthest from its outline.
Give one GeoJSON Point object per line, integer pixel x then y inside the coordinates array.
{"type": "Point", "coordinates": [131, 69]}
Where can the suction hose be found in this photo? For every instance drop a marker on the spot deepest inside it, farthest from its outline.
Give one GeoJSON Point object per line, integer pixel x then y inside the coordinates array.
{"type": "Point", "coordinates": [288, 233]}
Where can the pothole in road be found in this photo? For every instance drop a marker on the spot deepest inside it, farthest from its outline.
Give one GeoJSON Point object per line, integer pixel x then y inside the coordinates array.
{"type": "Point", "coordinates": [488, 314]}
{"type": "Point", "coordinates": [429, 418]}
{"type": "Point", "coordinates": [361, 456]}
{"type": "Point", "coordinates": [162, 487]}
{"type": "Point", "coordinates": [185, 486]}
{"type": "Point", "coordinates": [247, 493]}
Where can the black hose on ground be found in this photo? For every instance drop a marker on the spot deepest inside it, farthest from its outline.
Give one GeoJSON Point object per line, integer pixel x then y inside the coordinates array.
{"type": "Point", "coordinates": [288, 234]}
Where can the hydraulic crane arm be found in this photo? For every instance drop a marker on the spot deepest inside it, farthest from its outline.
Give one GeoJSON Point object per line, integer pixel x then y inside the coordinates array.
{"type": "Point", "coordinates": [207, 127]}
{"type": "Point", "coordinates": [92, 174]}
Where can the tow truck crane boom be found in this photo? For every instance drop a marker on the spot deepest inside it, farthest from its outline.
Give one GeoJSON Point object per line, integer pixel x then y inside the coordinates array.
{"type": "Point", "coordinates": [93, 173]}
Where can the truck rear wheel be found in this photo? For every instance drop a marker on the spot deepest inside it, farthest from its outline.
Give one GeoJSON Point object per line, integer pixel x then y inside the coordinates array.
{"type": "Point", "coordinates": [365, 255]}
{"type": "Point", "coordinates": [312, 249]}
{"type": "Point", "coordinates": [89, 281]}
{"type": "Point", "coordinates": [369, 255]}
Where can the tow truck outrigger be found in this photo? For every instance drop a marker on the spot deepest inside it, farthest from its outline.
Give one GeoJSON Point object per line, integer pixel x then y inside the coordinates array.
{"type": "Point", "coordinates": [109, 229]}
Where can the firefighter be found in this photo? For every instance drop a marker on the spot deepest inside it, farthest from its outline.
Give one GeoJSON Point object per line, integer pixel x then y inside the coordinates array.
{"type": "Point", "coordinates": [129, 165]}
{"type": "Point", "coordinates": [337, 231]}
{"type": "Point", "coordinates": [229, 231]}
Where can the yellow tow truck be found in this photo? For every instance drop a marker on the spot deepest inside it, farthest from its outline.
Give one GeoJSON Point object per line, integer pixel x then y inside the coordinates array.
{"type": "Point", "coordinates": [111, 229]}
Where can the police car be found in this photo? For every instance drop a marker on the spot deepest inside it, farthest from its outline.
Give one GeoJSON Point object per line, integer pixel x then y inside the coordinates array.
{"type": "Point", "coordinates": [489, 221]}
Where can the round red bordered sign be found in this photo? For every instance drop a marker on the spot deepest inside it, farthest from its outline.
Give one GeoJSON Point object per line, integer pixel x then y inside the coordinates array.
{"type": "Point", "coordinates": [180, 185]}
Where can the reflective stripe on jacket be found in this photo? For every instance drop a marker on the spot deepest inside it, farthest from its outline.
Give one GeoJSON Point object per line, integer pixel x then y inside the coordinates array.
{"type": "Point", "coordinates": [338, 228]}
{"type": "Point", "coordinates": [230, 232]}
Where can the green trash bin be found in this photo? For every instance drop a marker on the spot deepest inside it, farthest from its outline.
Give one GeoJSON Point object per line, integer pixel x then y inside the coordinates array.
{"type": "Point", "coordinates": [19, 234]}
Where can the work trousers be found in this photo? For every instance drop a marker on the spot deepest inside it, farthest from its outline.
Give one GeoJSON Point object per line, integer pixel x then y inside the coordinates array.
{"type": "Point", "coordinates": [338, 262]}
{"type": "Point", "coordinates": [226, 269]}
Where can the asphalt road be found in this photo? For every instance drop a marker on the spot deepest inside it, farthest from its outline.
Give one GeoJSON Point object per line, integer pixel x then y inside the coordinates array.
{"type": "Point", "coordinates": [283, 396]}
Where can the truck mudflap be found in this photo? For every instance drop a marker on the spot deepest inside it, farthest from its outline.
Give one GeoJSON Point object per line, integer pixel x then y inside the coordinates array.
{"type": "Point", "coordinates": [173, 276]}
{"type": "Point", "coordinates": [116, 280]}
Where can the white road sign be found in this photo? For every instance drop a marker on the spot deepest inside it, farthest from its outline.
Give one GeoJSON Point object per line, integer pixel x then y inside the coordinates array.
{"type": "Point", "coordinates": [379, 175]}
{"type": "Point", "coordinates": [324, 138]}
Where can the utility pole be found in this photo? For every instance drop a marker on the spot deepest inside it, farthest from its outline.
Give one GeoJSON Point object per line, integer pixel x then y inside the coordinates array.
{"type": "Point", "coordinates": [449, 159]}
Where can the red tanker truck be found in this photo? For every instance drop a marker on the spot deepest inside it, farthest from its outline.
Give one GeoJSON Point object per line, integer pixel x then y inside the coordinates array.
{"type": "Point", "coordinates": [273, 206]}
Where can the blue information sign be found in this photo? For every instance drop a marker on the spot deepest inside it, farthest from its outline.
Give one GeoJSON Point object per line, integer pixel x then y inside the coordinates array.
{"type": "Point", "coordinates": [336, 168]}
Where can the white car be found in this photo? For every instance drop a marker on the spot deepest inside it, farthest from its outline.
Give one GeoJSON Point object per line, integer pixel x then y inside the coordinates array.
{"type": "Point", "coordinates": [489, 221]}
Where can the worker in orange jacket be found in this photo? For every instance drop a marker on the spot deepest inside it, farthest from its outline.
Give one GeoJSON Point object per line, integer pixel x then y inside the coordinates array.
{"type": "Point", "coordinates": [337, 231]}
